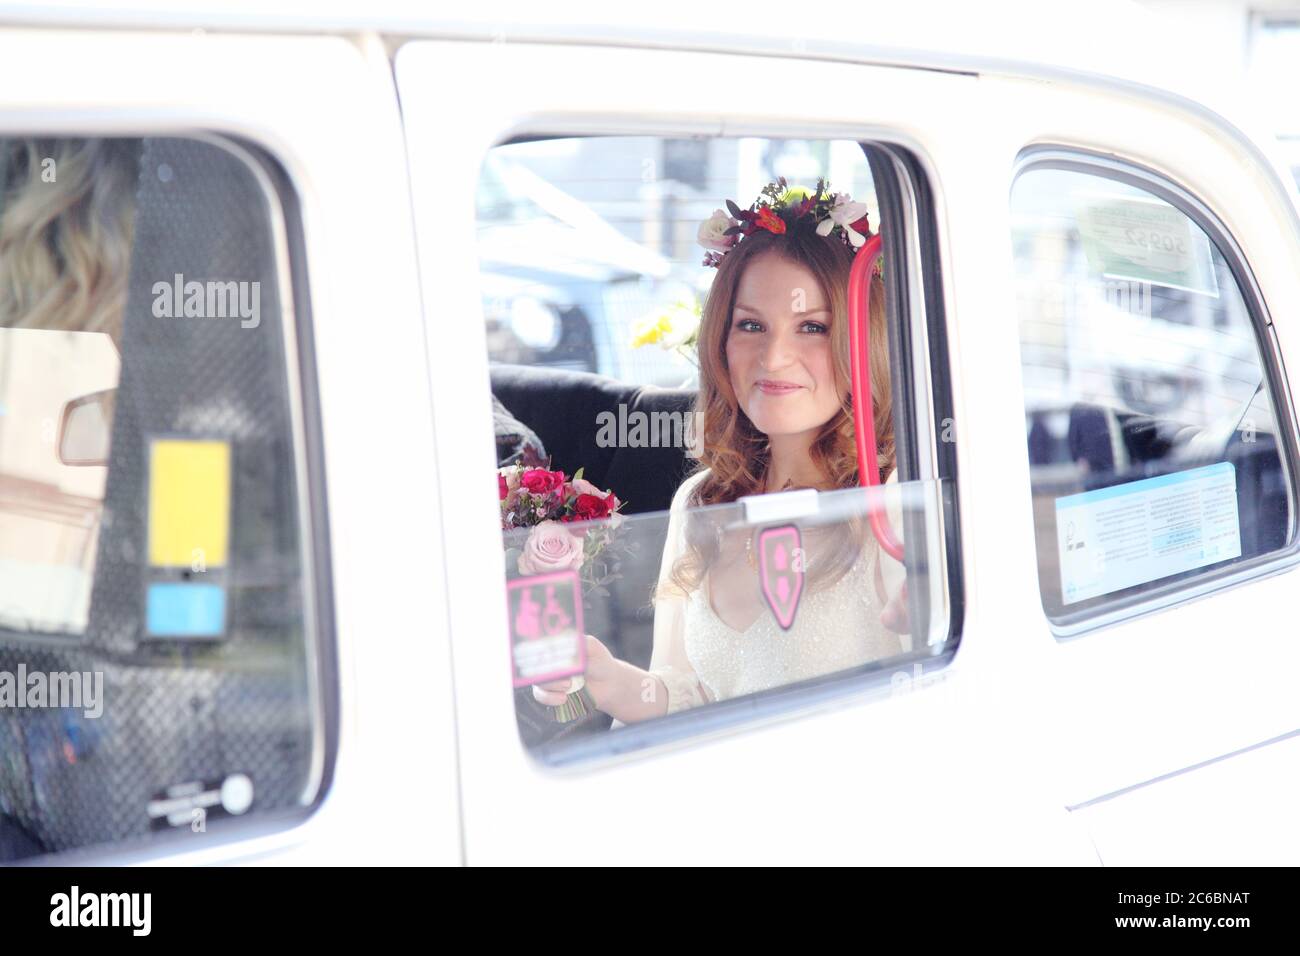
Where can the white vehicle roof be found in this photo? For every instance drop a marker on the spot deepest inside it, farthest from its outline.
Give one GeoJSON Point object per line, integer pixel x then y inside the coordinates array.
{"type": "Point", "coordinates": [1116, 45]}
{"type": "Point", "coordinates": [1103, 38]}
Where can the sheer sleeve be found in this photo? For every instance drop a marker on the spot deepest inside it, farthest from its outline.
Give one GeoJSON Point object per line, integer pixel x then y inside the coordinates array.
{"type": "Point", "coordinates": [668, 660]}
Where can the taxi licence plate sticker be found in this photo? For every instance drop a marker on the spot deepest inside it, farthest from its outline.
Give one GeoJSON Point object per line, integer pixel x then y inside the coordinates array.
{"type": "Point", "coordinates": [189, 503]}
{"type": "Point", "coordinates": [185, 610]}
{"type": "Point", "coordinates": [1145, 240]}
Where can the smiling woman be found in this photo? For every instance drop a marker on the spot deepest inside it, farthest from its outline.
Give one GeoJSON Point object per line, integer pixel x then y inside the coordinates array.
{"type": "Point", "coordinates": [777, 409]}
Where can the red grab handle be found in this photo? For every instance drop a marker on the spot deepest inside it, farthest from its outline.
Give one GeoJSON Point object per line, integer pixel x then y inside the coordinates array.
{"type": "Point", "coordinates": [864, 422]}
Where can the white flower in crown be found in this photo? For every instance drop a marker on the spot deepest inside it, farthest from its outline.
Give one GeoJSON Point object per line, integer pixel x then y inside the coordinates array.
{"type": "Point", "coordinates": [844, 213]}
{"type": "Point", "coordinates": [712, 232]}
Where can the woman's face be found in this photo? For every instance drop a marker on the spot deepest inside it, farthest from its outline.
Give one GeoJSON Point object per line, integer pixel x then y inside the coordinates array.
{"type": "Point", "coordinates": [779, 348]}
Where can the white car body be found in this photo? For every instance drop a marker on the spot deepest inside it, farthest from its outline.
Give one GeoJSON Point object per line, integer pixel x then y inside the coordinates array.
{"type": "Point", "coordinates": [1168, 738]}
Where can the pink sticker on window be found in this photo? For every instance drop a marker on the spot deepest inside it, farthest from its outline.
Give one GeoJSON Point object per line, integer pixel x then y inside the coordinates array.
{"type": "Point", "coordinates": [780, 571]}
{"type": "Point", "coordinates": [547, 641]}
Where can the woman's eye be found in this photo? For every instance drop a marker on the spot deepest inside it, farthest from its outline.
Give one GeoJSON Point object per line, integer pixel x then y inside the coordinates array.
{"type": "Point", "coordinates": [814, 327]}
{"type": "Point", "coordinates": [748, 325]}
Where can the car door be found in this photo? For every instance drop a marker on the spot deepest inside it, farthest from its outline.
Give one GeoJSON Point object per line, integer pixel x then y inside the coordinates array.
{"type": "Point", "coordinates": [934, 762]}
{"type": "Point", "coordinates": [1175, 726]}
{"type": "Point", "coordinates": [254, 620]}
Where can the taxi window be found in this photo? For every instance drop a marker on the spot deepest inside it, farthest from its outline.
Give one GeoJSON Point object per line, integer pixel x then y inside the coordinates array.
{"type": "Point", "coordinates": [157, 669]}
{"type": "Point", "coordinates": [652, 576]}
{"type": "Point", "coordinates": [1151, 398]}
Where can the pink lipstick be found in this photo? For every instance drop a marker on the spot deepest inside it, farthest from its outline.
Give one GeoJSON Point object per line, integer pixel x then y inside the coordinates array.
{"type": "Point", "coordinates": [773, 387]}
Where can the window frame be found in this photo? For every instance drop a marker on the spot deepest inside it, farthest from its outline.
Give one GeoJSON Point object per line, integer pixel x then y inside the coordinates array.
{"type": "Point", "coordinates": [1152, 597]}
{"type": "Point", "coordinates": [284, 224]}
{"type": "Point", "coordinates": [923, 398]}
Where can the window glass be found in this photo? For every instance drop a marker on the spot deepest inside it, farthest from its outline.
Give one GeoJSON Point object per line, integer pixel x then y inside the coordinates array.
{"type": "Point", "coordinates": [155, 671]}
{"type": "Point", "coordinates": [586, 242]}
{"type": "Point", "coordinates": [646, 404]}
{"type": "Point", "coordinates": [1150, 423]}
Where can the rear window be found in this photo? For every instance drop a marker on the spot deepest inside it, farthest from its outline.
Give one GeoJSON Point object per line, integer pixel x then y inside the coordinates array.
{"type": "Point", "coordinates": [1151, 393]}
{"type": "Point", "coordinates": [158, 670]}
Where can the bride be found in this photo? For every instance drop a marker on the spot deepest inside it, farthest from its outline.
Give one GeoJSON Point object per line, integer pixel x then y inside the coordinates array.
{"type": "Point", "coordinates": [777, 414]}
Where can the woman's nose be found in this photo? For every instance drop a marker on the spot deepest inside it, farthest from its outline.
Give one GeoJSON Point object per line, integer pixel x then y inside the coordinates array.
{"type": "Point", "coordinates": [778, 352]}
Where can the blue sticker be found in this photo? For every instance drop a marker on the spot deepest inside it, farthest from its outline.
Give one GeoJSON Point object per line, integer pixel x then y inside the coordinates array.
{"type": "Point", "coordinates": [186, 610]}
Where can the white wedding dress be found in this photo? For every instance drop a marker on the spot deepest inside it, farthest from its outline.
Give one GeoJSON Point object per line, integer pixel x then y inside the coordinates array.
{"type": "Point", "coordinates": [700, 658]}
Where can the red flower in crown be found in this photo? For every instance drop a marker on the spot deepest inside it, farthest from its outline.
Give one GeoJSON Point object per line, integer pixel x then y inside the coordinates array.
{"type": "Point", "coordinates": [770, 221]}
{"type": "Point", "coordinates": [782, 209]}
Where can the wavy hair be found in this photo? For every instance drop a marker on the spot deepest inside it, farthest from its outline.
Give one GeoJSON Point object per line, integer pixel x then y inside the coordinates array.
{"type": "Point", "coordinates": [65, 244]}
{"type": "Point", "coordinates": [734, 451]}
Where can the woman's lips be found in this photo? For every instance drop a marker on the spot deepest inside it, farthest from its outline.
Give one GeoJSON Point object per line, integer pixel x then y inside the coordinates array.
{"type": "Point", "coordinates": [777, 388]}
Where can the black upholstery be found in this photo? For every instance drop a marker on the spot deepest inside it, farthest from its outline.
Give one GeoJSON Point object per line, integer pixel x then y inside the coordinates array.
{"type": "Point", "coordinates": [563, 408]}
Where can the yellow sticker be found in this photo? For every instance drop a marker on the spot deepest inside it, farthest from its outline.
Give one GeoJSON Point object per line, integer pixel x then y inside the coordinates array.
{"type": "Point", "coordinates": [189, 503]}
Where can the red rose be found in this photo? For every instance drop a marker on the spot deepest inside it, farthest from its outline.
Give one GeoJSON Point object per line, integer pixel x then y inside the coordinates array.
{"type": "Point", "coordinates": [539, 481]}
{"type": "Point", "coordinates": [502, 486]}
{"type": "Point", "coordinates": [590, 507]}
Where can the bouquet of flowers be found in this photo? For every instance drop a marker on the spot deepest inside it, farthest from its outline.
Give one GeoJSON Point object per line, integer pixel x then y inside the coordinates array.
{"type": "Point", "coordinates": [551, 522]}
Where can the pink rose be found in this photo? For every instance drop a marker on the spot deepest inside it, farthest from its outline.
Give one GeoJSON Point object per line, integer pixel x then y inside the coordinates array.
{"type": "Point", "coordinates": [550, 547]}
{"type": "Point", "coordinates": [581, 486]}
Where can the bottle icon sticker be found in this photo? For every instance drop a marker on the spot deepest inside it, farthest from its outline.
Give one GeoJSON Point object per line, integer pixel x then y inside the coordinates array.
{"type": "Point", "coordinates": [780, 574]}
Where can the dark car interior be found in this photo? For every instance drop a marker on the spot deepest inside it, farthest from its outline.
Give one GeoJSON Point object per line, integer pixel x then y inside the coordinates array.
{"type": "Point", "coordinates": [562, 407]}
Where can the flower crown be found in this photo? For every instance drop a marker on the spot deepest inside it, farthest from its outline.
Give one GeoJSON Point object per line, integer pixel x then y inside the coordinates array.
{"type": "Point", "coordinates": [781, 208]}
